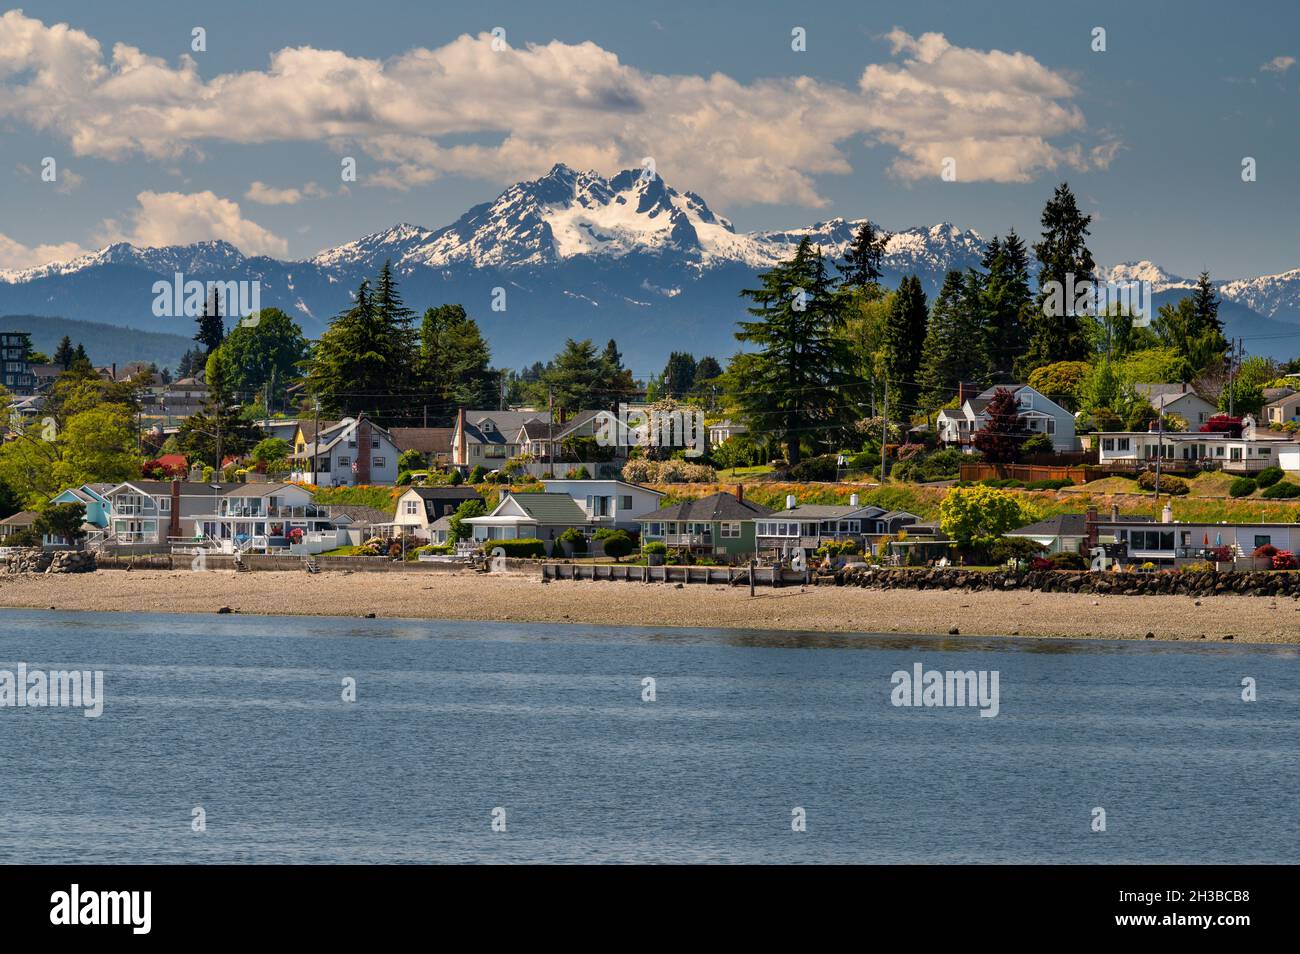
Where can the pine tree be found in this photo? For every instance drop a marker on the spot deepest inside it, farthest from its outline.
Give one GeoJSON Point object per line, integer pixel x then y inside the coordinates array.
{"type": "Point", "coordinates": [616, 384]}
{"type": "Point", "coordinates": [904, 341]}
{"type": "Point", "coordinates": [1062, 254]}
{"type": "Point", "coordinates": [1005, 306]}
{"type": "Point", "coordinates": [354, 364]}
{"type": "Point", "coordinates": [796, 385]}
{"type": "Point", "coordinates": [863, 257]}
{"type": "Point", "coordinates": [212, 329]}
{"type": "Point", "coordinates": [454, 365]}
{"type": "Point", "coordinates": [63, 354]}
{"type": "Point", "coordinates": [679, 375]}
{"type": "Point", "coordinates": [574, 377]}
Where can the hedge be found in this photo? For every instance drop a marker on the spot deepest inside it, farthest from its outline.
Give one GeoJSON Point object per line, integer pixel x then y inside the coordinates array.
{"type": "Point", "coordinates": [1269, 476]}
{"type": "Point", "coordinates": [523, 547]}
{"type": "Point", "coordinates": [1281, 491]}
{"type": "Point", "coordinates": [1241, 487]}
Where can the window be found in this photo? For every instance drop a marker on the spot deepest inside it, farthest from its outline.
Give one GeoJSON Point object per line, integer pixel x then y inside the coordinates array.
{"type": "Point", "coordinates": [165, 504]}
{"type": "Point", "coordinates": [1108, 443]}
{"type": "Point", "coordinates": [374, 443]}
{"type": "Point", "coordinates": [731, 528]}
{"type": "Point", "coordinates": [345, 461]}
{"type": "Point", "coordinates": [1122, 443]}
{"type": "Point", "coordinates": [1049, 425]}
{"type": "Point", "coordinates": [625, 502]}
{"type": "Point", "coordinates": [412, 507]}
{"type": "Point", "coordinates": [1262, 540]}
{"type": "Point", "coordinates": [654, 530]}
{"type": "Point", "coordinates": [380, 461]}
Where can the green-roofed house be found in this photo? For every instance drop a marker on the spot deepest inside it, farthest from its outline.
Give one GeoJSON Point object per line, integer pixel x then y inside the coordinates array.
{"type": "Point", "coordinates": [719, 525]}
{"type": "Point", "coordinates": [524, 516]}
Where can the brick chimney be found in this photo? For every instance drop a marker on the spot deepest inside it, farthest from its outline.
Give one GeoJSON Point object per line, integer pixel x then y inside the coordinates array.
{"type": "Point", "coordinates": [740, 492]}
{"type": "Point", "coordinates": [1090, 526]}
{"type": "Point", "coordinates": [174, 525]}
{"type": "Point", "coordinates": [965, 392]}
{"type": "Point", "coordinates": [363, 450]}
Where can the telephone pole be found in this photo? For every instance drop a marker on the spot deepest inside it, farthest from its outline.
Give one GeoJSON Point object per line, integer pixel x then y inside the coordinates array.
{"type": "Point", "coordinates": [884, 432]}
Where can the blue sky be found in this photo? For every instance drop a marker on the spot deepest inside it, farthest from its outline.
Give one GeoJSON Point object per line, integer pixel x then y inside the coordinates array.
{"type": "Point", "coordinates": [1151, 133]}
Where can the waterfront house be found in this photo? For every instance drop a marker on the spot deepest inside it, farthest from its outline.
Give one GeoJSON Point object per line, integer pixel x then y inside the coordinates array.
{"type": "Point", "coordinates": [1062, 533]}
{"type": "Point", "coordinates": [1190, 451]}
{"type": "Point", "coordinates": [419, 508]}
{"type": "Point", "coordinates": [352, 451]}
{"type": "Point", "coordinates": [148, 512]}
{"type": "Point", "coordinates": [16, 523]}
{"type": "Point", "coordinates": [259, 517]}
{"type": "Point", "coordinates": [1172, 542]}
{"type": "Point", "coordinates": [1038, 413]}
{"type": "Point", "coordinates": [98, 510]}
{"type": "Point", "coordinates": [525, 516]}
{"type": "Point", "coordinates": [609, 503]}
{"type": "Point", "coordinates": [807, 526]}
{"type": "Point", "coordinates": [718, 525]}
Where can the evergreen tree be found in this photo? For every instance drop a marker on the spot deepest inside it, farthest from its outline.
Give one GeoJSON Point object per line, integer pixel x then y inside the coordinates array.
{"type": "Point", "coordinates": [952, 352]}
{"type": "Point", "coordinates": [454, 365]}
{"type": "Point", "coordinates": [1005, 305]}
{"type": "Point", "coordinates": [796, 385]}
{"type": "Point", "coordinates": [679, 375]}
{"type": "Point", "coordinates": [863, 257]}
{"type": "Point", "coordinates": [263, 358]}
{"type": "Point", "coordinates": [212, 329]}
{"type": "Point", "coordinates": [574, 377]}
{"type": "Point", "coordinates": [1062, 255]}
{"type": "Point", "coordinates": [616, 384]}
{"type": "Point", "coordinates": [1205, 305]}
{"type": "Point", "coordinates": [63, 353]}
{"type": "Point", "coordinates": [904, 341]}
{"type": "Point", "coordinates": [79, 355]}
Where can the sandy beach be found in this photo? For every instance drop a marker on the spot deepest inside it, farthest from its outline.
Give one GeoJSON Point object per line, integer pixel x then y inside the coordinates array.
{"type": "Point", "coordinates": [522, 597]}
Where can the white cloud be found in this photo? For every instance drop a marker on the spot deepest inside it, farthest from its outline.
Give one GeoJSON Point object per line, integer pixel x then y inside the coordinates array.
{"type": "Point", "coordinates": [1004, 116]}
{"type": "Point", "coordinates": [1278, 64]}
{"type": "Point", "coordinates": [16, 255]}
{"type": "Point", "coordinates": [177, 218]}
{"type": "Point", "coordinates": [269, 195]}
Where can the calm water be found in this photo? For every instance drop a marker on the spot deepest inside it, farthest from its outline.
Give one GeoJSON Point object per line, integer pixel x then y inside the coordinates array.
{"type": "Point", "coordinates": [242, 715]}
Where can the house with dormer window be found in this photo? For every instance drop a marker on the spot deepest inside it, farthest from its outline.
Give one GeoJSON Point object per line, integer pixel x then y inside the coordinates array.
{"type": "Point", "coordinates": [1038, 413]}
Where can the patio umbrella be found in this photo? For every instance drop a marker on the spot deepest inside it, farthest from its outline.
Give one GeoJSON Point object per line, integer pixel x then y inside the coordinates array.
{"type": "Point", "coordinates": [1218, 539]}
{"type": "Point", "coordinates": [1206, 541]}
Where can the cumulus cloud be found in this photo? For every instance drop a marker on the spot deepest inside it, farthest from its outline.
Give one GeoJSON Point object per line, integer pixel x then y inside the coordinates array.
{"type": "Point", "coordinates": [14, 254]}
{"type": "Point", "coordinates": [502, 115]}
{"type": "Point", "coordinates": [264, 194]}
{"type": "Point", "coordinates": [178, 218]}
{"type": "Point", "coordinates": [1278, 64]}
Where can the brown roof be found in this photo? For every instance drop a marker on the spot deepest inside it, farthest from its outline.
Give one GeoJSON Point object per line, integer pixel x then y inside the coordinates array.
{"type": "Point", "coordinates": [426, 440]}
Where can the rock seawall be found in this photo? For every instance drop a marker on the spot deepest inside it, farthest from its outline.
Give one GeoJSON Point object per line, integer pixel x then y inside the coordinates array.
{"type": "Point", "coordinates": [1250, 583]}
{"type": "Point", "coordinates": [37, 560]}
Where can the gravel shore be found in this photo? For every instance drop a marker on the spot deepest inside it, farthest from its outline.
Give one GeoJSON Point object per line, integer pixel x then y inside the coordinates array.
{"type": "Point", "coordinates": [524, 598]}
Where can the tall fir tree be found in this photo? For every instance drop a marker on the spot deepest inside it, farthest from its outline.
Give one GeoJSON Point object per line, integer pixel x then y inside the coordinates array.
{"type": "Point", "coordinates": [616, 384]}
{"type": "Point", "coordinates": [952, 352]}
{"type": "Point", "coordinates": [211, 327]}
{"type": "Point", "coordinates": [454, 366]}
{"type": "Point", "coordinates": [679, 375]}
{"type": "Point", "coordinates": [1205, 305]}
{"type": "Point", "coordinates": [1005, 306]}
{"type": "Point", "coordinates": [863, 258]}
{"type": "Point", "coordinates": [574, 378]}
{"type": "Point", "coordinates": [63, 354]}
{"type": "Point", "coordinates": [795, 385]}
{"type": "Point", "coordinates": [1063, 259]}
{"type": "Point", "coordinates": [904, 341]}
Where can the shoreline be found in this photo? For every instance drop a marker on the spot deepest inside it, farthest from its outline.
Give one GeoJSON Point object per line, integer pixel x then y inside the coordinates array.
{"type": "Point", "coordinates": [524, 598]}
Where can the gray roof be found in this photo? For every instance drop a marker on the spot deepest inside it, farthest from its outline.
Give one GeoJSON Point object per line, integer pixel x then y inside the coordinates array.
{"type": "Point", "coordinates": [508, 424]}
{"type": "Point", "coordinates": [829, 511]}
{"type": "Point", "coordinates": [442, 523]}
{"type": "Point", "coordinates": [23, 518]}
{"type": "Point", "coordinates": [720, 506]}
{"type": "Point", "coordinates": [358, 513]}
{"type": "Point", "coordinates": [426, 440]}
{"type": "Point", "coordinates": [1061, 525]}
{"type": "Point", "coordinates": [447, 492]}
{"type": "Point", "coordinates": [163, 488]}
{"type": "Point", "coordinates": [1280, 399]}
{"type": "Point", "coordinates": [550, 508]}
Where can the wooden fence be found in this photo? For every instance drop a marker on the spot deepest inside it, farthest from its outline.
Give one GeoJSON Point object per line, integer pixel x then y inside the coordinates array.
{"type": "Point", "coordinates": [982, 470]}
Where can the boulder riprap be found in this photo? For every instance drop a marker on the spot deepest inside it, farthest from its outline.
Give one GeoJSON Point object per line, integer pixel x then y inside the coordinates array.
{"type": "Point", "coordinates": [1247, 583]}
{"type": "Point", "coordinates": [37, 560]}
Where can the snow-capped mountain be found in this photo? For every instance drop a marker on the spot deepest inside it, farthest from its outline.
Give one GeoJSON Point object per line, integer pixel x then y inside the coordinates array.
{"type": "Point", "coordinates": [579, 255]}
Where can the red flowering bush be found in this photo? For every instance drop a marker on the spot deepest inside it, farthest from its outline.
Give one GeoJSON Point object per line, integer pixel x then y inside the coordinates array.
{"type": "Point", "coordinates": [1285, 560]}
{"type": "Point", "coordinates": [1221, 554]}
{"type": "Point", "coordinates": [1267, 550]}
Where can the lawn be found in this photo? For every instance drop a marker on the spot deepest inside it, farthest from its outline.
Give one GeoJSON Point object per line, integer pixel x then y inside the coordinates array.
{"type": "Point", "coordinates": [740, 473]}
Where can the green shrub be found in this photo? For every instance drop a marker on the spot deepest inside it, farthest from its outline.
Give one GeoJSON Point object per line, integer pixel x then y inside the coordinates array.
{"type": "Point", "coordinates": [816, 468]}
{"type": "Point", "coordinates": [1281, 491]}
{"type": "Point", "coordinates": [575, 538]}
{"type": "Point", "coordinates": [1068, 561]}
{"type": "Point", "coordinates": [477, 474]}
{"type": "Point", "coordinates": [655, 546]}
{"type": "Point", "coordinates": [835, 548]}
{"type": "Point", "coordinates": [523, 547]}
{"type": "Point", "coordinates": [441, 549]}
{"type": "Point", "coordinates": [1049, 484]}
{"type": "Point", "coordinates": [1008, 548]}
{"type": "Point", "coordinates": [1269, 476]}
{"type": "Point", "coordinates": [1039, 443]}
{"type": "Point", "coordinates": [617, 544]}
{"type": "Point", "coordinates": [1169, 484]}
{"type": "Point", "coordinates": [1242, 487]}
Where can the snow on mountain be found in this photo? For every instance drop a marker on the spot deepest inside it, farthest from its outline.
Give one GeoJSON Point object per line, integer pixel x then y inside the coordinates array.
{"type": "Point", "coordinates": [1270, 295]}
{"type": "Point", "coordinates": [1144, 271]}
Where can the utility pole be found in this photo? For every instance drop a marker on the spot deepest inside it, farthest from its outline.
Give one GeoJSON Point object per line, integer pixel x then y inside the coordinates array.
{"type": "Point", "coordinates": [884, 432]}
{"type": "Point", "coordinates": [1160, 454]}
{"type": "Point", "coordinates": [1232, 376]}
{"type": "Point", "coordinates": [315, 439]}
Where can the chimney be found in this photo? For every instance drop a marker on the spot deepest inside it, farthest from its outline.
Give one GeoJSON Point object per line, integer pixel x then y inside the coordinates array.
{"type": "Point", "coordinates": [1114, 513]}
{"type": "Point", "coordinates": [740, 492]}
{"type": "Point", "coordinates": [1090, 526]}
{"type": "Point", "coordinates": [461, 455]}
{"type": "Point", "coordinates": [853, 500]}
{"type": "Point", "coordinates": [174, 525]}
{"type": "Point", "coordinates": [791, 502]}
{"type": "Point", "coordinates": [1167, 514]}
{"type": "Point", "coordinates": [114, 371]}
{"type": "Point", "coordinates": [965, 392]}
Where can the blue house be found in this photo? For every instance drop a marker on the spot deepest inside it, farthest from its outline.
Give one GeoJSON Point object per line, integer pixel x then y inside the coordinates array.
{"type": "Point", "coordinates": [99, 509]}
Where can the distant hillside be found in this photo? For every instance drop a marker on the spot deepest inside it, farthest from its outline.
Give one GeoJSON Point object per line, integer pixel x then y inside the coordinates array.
{"type": "Point", "coordinates": [106, 344]}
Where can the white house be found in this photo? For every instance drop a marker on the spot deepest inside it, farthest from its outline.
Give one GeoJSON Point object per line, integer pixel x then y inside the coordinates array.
{"type": "Point", "coordinates": [808, 526]}
{"type": "Point", "coordinates": [1254, 450]}
{"type": "Point", "coordinates": [1178, 399]}
{"type": "Point", "coordinates": [528, 516]}
{"type": "Point", "coordinates": [1038, 413]}
{"type": "Point", "coordinates": [609, 503]}
{"type": "Point", "coordinates": [259, 517]}
{"type": "Point", "coordinates": [1283, 409]}
{"type": "Point", "coordinates": [343, 453]}
{"type": "Point", "coordinates": [421, 507]}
